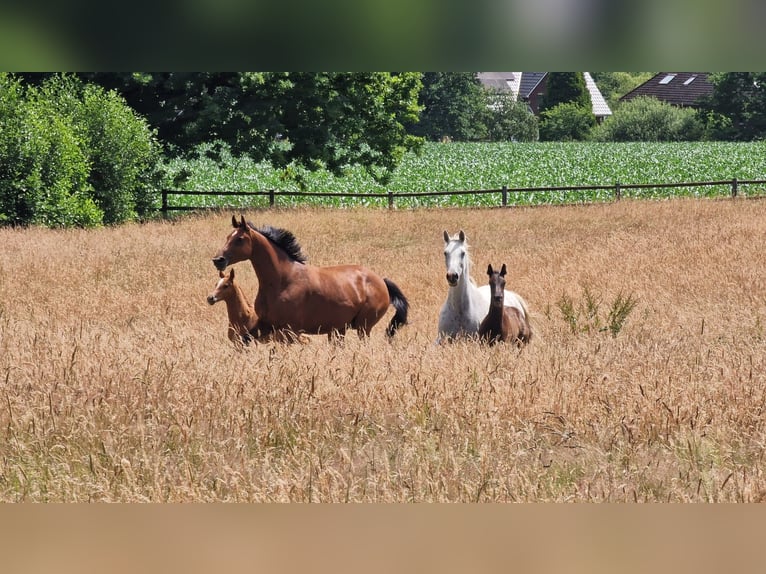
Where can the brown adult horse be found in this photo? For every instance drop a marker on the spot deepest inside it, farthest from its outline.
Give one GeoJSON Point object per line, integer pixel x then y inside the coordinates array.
{"type": "Point", "coordinates": [503, 323]}
{"type": "Point", "coordinates": [242, 317]}
{"type": "Point", "coordinates": [294, 296]}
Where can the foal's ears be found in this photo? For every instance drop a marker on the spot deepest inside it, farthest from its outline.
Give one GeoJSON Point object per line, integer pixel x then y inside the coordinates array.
{"type": "Point", "coordinates": [235, 223]}
{"type": "Point", "coordinates": [503, 270]}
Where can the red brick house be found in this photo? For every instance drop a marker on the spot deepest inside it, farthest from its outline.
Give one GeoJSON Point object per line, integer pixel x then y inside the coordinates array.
{"type": "Point", "coordinates": [530, 87]}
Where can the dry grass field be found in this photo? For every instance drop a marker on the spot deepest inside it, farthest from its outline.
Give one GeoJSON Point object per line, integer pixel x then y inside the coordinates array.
{"type": "Point", "coordinates": [118, 383]}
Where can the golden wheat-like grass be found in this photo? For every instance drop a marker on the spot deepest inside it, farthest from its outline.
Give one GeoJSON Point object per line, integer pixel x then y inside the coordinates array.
{"type": "Point", "coordinates": [117, 381]}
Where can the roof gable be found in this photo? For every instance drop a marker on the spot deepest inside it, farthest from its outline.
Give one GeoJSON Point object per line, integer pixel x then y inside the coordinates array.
{"type": "Point", "coordinates": [677, 88]}
{"type": "Point", "coordinates": [523, 84]}
{"type": "Point", "coordinates": [529, 81]}
{"type": "Point", "coordinates": [501, 81]}
{"type": "Point", "coordinates": [600, 107]}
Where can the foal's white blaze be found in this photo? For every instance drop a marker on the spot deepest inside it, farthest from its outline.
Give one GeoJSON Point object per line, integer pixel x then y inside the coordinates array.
{"type": "Point", "coordinates": [213, 298]}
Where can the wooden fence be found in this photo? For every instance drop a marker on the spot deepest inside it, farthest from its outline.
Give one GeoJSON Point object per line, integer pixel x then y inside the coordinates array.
{"type": "Point", "coordinates": [617, 188]}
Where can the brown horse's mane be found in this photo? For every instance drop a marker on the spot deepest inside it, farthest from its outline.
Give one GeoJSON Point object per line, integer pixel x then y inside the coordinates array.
{"type": "Point", "coordinates": [283, 239]}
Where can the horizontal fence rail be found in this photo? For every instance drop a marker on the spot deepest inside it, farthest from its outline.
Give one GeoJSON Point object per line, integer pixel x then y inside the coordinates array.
{"type": "Point", "coordinates": [617, 191]}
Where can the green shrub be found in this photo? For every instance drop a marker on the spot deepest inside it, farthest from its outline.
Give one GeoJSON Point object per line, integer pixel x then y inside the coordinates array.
{"type": "Point", "coordinates": [73, 154]}
{"type": "Point", "coordinates": [566, 122]}
{"type": "Point", "coordinates": [12, 205]}
{"type": "Point", "coordinates": [45, 170]}
{"type": "Point", "coordinates": [586, 317]}
{"type": "Point", "coordinates": [57, 181]}
{"type": "Point", "coordinates": [510, 120]}
{"type": "Point", "coordinates": [124, 154]}
{"type": "Point", "coordinates": [122, 149]}
{"type": "Point", "coordinates": [566, 88]}
{"type": "Point", "coordinates": [648, 119]}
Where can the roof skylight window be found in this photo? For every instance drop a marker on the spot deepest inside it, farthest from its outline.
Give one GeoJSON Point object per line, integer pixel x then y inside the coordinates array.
{"type": "Point", "coordinates": [667, 79]}
{"type": "Point", "coordinates": [690, 80]}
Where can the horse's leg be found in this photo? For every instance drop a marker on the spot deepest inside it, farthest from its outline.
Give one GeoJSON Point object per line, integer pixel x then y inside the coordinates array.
{"type": "Point", "coordinates": [261, 329]}
{"type": "Point", "coordinates": [287, 336]}
{"type": "Point", "coordinates": [264, 332]}
{"type": "Point", "coordinates": [336, 336]}
{"type": "Point", "coordinates": [363, 331]}
{"type": "Point", "coordinates": [363, 327]}
{"type": "Point", "coordinates": [296, 337]}
{"type": "Point", "coordinates": [367, 317]}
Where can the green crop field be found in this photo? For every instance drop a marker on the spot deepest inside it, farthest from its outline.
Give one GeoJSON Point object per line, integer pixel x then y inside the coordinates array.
{"type": "Point", "coordinates": [484, 166]}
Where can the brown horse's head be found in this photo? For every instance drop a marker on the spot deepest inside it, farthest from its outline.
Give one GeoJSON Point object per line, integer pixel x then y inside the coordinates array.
{"type": "Point", "coordinates": [497, 285]}
{"type": "Point", "coordinates": [238, 246]}
{"type": "Point", "coordinates": [224, 289]}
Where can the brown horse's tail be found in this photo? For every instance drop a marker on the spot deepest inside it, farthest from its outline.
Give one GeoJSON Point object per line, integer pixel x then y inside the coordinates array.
{"type": "Point", "coordinates": [400, 303]}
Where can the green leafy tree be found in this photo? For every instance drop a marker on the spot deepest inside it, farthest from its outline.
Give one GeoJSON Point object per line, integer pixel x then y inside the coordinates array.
{"type": "Point", "coordinates": [564, 88]}
{"type": "Point", "coordinates": [648, 119]}
{"type": "Point", "coordinates": [566, 122]}
{"type": "Point", "coordinates": [124, 155]}
{"type": "Point", "coordinates": [45, 169]}
{"type": "Point", "coordinates": [614, 85]}
{"type": "Point", "coordinates": [566, 111]}
{"type": "Point", "coordinates": [325, 120]}
{"type": "Point", "coordinates": [74, 155]}
{"type": "Point", "coordinates": [14, 206]}
{"type": "Point", "coordinates": [122, 151]}
{"type": "Point", "coordinates": [737, 107]}
{"type": "Point", "coordinates": [509, 119]}
{"type": "Point", "coordinates": [454, 105]}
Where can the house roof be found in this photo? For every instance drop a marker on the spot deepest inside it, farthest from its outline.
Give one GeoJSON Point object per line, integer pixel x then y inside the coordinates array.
{"type": "Point", "coordinates": [502, 81]}
{"type": "Point", "coordinates": [677, 88]}
{"type": "Point", "coordinates": [522, 84]}
{"type": "Point", "coordinates": [529, 81]}
{"type": "Point", "coordinates": [600, 107]}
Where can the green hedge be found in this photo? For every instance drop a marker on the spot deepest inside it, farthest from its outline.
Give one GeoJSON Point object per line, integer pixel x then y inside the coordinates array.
{"type": "Point", "coordinates": [73, 155]}
{"type": "Point", "coordinates": [648, 119]}
{"type": "Point", "coordinates": [569, 121]}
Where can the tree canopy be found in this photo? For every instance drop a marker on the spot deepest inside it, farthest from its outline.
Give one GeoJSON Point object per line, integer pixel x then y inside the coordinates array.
{"type": "Point", "coordinates": [453, 104]}
{"type": "Point", "coordinates": [614, 85]}
{"type": "Point", "coordinates": [73, 154]}
{"type": "Point", "coordinates": [566, 110]}
{"type": "Point", "coordinates": [564, 88]}
{"type": "Point", "coordinates": [738, 105]}
{"type": "Point", "coordinates": [315, 120]}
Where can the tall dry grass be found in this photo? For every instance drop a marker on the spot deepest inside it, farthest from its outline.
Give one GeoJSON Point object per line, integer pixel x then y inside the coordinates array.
{"type": "Point", "coordinates": [117, 381]}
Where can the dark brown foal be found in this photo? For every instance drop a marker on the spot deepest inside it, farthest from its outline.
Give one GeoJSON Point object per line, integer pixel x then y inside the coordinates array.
{"type": "Point", "coordinates": [502, 323]}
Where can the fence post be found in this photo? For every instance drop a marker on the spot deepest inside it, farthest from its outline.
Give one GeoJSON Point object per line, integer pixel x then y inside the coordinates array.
{"type": "Point", "coordinates": [505, 196]}
{"type": "Point", "coordinates": [734, 186]}
{"type": "Point", "coordinates": [271, 198]}
{"type": "Point", "coordinates": [617, 191]}
{"type": "Point", "coordinates": [390, 199]}
{"type": "Point", "coordinates": [164, 208]}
